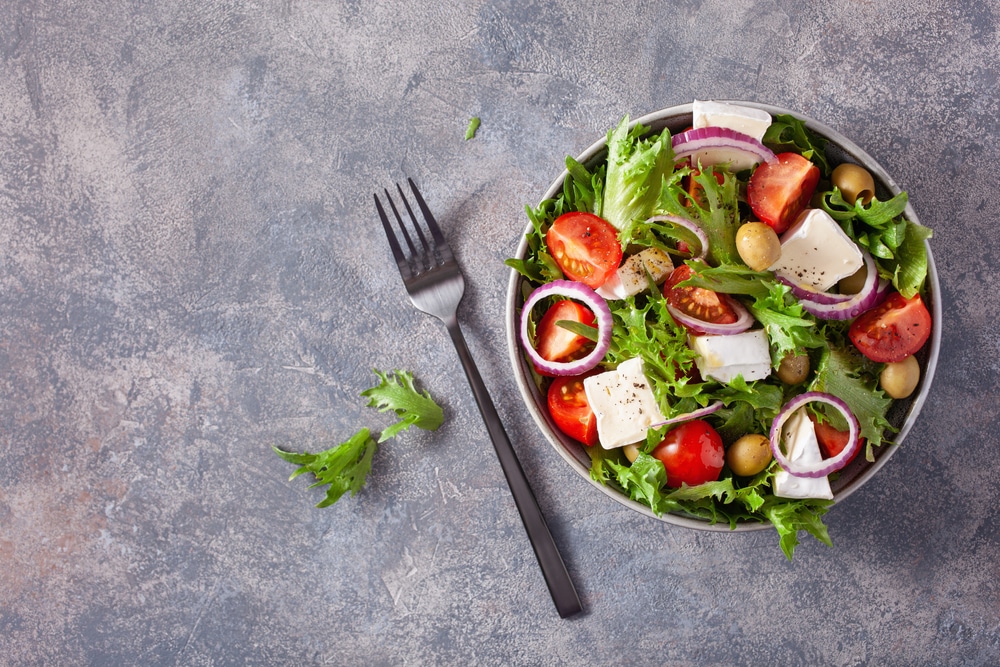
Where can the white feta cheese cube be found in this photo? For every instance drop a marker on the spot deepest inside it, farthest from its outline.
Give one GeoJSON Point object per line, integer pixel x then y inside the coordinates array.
{"type": "Point", "coordinates": [724, 357]}
{"type": "Point", "coordinates": [749, 121]}
{"type": "Point", "coordinates": [816, 253]}
{"type": "Point", "coordinates": [798, 436]}
{"type": "Point", "coordinates": [630, 278]}
{"type": "Point", "coordinates": [623, 403]}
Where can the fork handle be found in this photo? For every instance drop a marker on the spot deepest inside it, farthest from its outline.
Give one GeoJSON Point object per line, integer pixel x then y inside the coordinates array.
{"type": "Point", "coordinates": [553, 568]}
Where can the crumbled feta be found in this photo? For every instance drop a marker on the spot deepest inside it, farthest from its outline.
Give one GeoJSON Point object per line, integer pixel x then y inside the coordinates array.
{"type": "Point", "coordinates": [630, 278]}
{"type": "Point", "coordinates": [724, 357]}
{"type": "Point", "coordinates": [623, 403]}
{"type": "Point", "coordinates": [816, 253]}
{"type": "Point", "coordinates": [798, 436]}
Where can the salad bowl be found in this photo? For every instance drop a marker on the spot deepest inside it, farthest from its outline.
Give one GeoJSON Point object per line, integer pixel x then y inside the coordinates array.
{"type": "Point", "coordinates": [902, 414]}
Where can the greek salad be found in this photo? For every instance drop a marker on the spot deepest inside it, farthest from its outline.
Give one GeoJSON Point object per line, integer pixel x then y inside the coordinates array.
{"type": "Point", "coordinates": [722, 317]}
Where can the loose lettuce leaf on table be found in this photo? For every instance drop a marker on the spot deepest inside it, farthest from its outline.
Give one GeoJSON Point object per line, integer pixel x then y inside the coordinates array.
{"type": "Point", "coordinates": [344, 467]}
{"type": "Point", "coordinates": [397, 393]}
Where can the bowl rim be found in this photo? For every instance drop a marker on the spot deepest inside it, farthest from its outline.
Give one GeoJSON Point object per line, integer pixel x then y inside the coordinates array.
{"type": "Point", "coordinates": [657, 121]}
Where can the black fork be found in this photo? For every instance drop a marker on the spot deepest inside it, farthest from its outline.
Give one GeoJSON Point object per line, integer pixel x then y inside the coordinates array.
{"type": "Point", "coordinates": [435, 284]}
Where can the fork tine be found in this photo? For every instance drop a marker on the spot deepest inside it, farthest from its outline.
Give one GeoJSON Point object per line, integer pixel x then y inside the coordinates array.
{"type": "Point", "coordinates": [402, 227]}
{"type": "Point", "coordinates": [397, 252]}
{"type": "Point", "coordinates": [416, 225]}
{"type": "Point", "coordinates": [431, 222]}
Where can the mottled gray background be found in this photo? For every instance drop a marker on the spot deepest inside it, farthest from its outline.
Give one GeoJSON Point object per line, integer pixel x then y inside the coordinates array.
{"type": "Point", "coordinates": [191, 271]}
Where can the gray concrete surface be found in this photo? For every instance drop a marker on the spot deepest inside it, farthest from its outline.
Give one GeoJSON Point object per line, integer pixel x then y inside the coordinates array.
{"type": "Point", "coordinates": [190, 272]}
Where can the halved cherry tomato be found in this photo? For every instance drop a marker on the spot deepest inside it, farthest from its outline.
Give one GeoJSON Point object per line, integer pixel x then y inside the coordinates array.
{"type": "Point", "coordinates": [570, 409]}
{"type": "Point", "coordinates": [831, 441]}
{"type": "Point", "coordinates": [893, 330]}
{"type": "Point", "coordinates": [704, 304]}
{"type": "Point", "coordinates": [585, 247]}
{"type": "Point", "coordinates": [779, 191]}
{"type": "Point", "coordinates": [692, 454]}
{"type": "Point", "coordinates": [556, 343]}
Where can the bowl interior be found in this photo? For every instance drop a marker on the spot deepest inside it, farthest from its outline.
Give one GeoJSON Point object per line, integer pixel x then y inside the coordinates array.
{"type": "Point", "coordinates": [902, 414]}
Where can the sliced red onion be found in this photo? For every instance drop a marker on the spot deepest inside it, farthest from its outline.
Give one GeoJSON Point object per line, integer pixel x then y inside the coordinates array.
{"type": "Point", "coordinates": [732, 145]}
{"type": "Point", "coordinates": [694, 414]}
{"type": "Point", "coordinates": [871, 294]}
{"type": "Point", "coordinates": [744, 320]}
{"type": "Point", "coordinates": [689, 225]}
{"type": "Point", "coordinates": [826, 466]}
{"type": "Point", "coordinates": [803, 292]}
{"type": "Point", "coordinates": [579, 292]}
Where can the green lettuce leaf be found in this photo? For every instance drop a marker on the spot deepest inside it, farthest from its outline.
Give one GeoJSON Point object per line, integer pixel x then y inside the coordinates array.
{"type": "Point", "coordinates": [473, 126]}
{"type": "Point", "coordinates": [723, 501]}
{"type": "Point", "coordinates": [635, 173]}
{"type": "Point", "coordinates": [790, 134]}
{"type": "Point", "coordinates": [344, 467]}
{"type": "Point", "coordinates": [896, 243]}
{"type": "Point", "coordinates": [909, 271]}
{"type": "Point", "coordinates": [397, 393]}
{"type": "Point", "coordinates": [789, 517]}
{"type": "Point", "coordinates": [716, 211]}
{"type": "Point", "coordinates": [841, 371]}
{"type": "Point", "coordinates": [582, 190]}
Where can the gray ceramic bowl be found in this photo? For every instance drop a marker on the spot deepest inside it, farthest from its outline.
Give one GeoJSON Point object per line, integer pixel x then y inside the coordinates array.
{"type": "Point", "coordinates": [902, 415]}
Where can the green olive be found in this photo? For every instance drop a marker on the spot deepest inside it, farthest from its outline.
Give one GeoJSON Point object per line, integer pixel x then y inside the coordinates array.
{"type": "Point", "coordinates": [749, 455]}
{"type": "Point", "coordinates": [900, 378]}
{"type": "Point", "coordinates": [631, 452]}
{"type": "Point", "coordinates": [852, 284]}
{"type": "Point", "coordinates": [794, 368]}
{"type": "Point", "coordinates": [854, 183]}
{"type": "Point", "coordinates": [758, 245]}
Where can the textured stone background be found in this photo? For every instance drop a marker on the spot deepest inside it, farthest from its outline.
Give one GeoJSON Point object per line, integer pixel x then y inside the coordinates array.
{"type": "Point", "coordinates": [191, 271]}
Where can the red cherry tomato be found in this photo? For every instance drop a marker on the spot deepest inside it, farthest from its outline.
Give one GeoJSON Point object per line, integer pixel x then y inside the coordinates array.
{"type": "Point", "coordinates": [585, 247]}
{"type": "Point", "coordinates": [692, 453]}
{"type": "Point", "coordinates": [779, 191]}
{"type": "Point", "coordinates": [698, 302]}
{"type": "Point", "coordinates": [831, 441]}
{"type": "Point", "coordinates": [556, 343]}
{"type": "Point", "coordinates": [893, 330]}
{"type": "Point", "coordinates": [571, 411]}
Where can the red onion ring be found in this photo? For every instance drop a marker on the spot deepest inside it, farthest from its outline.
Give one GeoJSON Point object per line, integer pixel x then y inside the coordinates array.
{"type": "Point", "coordinates": [744, 320]}
{"type": "Point", "coordinates": [803, 292]}
{"type": "Point", "coordinates": [580, 292]}
{"type": "Point", "coordinates": [872, 293]}
{"type": "Point", "coordinates": [689, 225]}
{"type": "Point", "coordinates": [688, 143]}
{"type": "Point", "coordinates": [694, 414]}
{"type": "Point", "coordinates": [826, 466]}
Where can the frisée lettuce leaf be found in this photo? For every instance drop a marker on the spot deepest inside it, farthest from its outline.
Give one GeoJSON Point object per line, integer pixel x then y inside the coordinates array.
{"type": "Point", "coordinates": [397, 393]}
{"type": "Point", "coordinates": [635, 172]}
{"type": "Point", "coordinates": [345, 467]}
